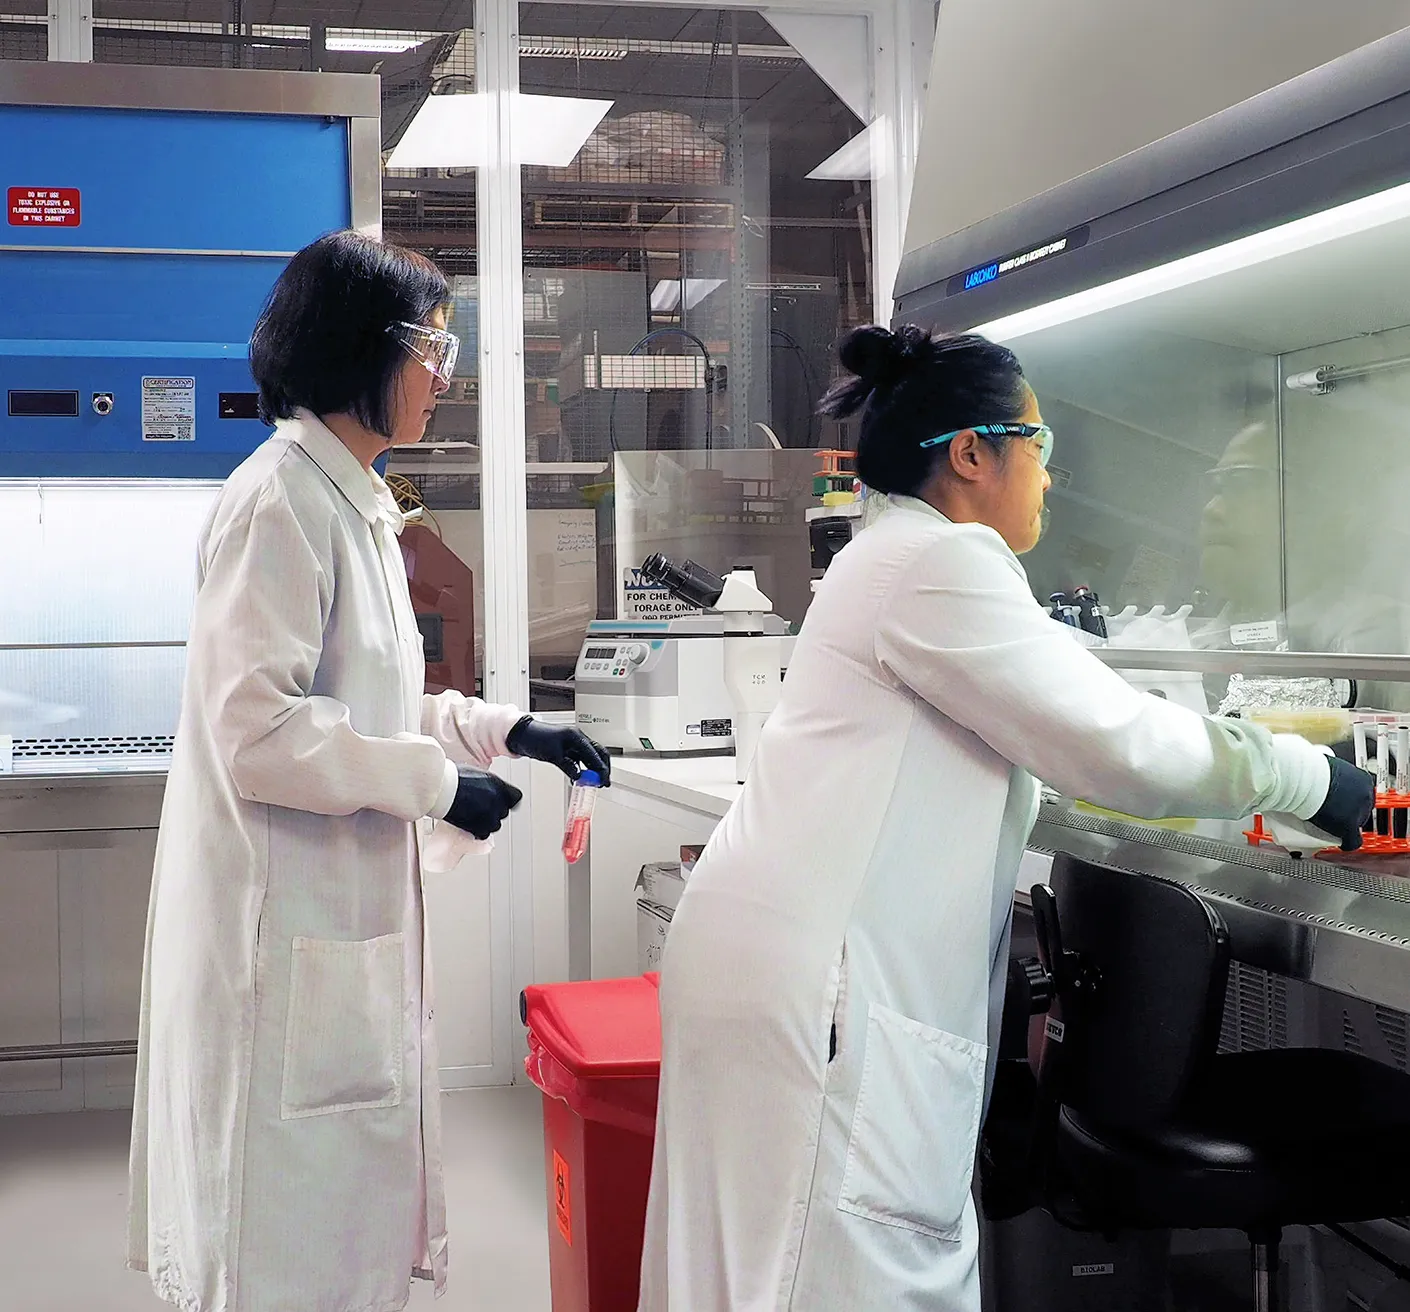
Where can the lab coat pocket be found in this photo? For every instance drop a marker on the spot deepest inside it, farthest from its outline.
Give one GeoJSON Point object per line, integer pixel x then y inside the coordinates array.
{"type": "Point", "coordinates": [911, 1154]}
{"type": "Point", "coordinates": [343, 1043]}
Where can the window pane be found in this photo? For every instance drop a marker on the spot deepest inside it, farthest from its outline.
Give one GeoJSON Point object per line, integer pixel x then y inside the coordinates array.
{"type": "Point", "coordinates": [685, 282]}
{"type": "Point", "coordinates": [433, 211]}
{"type": "Point", "coordinates": [271, 34]}
{"type": "Point", "coordinates": [24, 29]}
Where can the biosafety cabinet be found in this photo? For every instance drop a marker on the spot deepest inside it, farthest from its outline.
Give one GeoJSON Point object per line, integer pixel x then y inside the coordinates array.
{"type": "Point", "coordinates": [148, 213]}
{"type": "Point", "coordinates": [1217, 327]}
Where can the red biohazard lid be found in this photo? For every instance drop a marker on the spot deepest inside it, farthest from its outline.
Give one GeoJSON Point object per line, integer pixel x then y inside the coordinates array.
{"type": "Point", "coordinates": [606, 1029]}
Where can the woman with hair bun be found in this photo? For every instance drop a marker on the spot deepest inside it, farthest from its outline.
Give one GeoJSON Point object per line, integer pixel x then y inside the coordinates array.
{"type": "Point", "coordinates": [834, 979]}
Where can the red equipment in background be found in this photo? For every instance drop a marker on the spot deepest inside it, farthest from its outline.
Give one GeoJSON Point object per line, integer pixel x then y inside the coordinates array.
{"type": "Point", "coordinates": [443, 596]}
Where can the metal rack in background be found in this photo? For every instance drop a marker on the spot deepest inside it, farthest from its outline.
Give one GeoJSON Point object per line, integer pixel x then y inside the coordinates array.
{"type": "Point", "coordinates": [24, 36]}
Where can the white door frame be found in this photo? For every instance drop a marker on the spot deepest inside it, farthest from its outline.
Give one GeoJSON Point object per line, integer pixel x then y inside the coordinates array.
{"type": "Point", "coordinates": [902, 33]}
{"type": "Point", "coordinates": [70, 31]}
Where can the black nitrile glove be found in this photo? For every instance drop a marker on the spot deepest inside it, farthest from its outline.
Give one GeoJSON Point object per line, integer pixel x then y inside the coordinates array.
{"type": "Point", "coordinates": [1350, 802]}
{"type": "Point", "coordinates": [481, 803]}
{"type": "Point", "coordinates": [571, 750]}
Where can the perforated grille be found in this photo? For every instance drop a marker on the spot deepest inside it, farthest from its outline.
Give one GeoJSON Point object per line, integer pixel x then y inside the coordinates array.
{"type": "Point", "coordinates": [1255, 1011]}
{"type": "Point", "coordinates": [54, 749]}
{"type": "Point", "coordinates": [1395, 1030]}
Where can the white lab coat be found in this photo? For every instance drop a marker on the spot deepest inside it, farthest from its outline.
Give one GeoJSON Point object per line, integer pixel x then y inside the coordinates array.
{"type": "Point", "coordinates": [286, 1133]}
{"type": "Point", "coordinates": [864, 879]}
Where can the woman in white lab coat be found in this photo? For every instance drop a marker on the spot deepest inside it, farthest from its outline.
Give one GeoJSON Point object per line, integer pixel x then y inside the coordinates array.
{"type": "Point", "coordinates": [833, 980]}
{"type": "Point", "coordinates": [285, 1146]}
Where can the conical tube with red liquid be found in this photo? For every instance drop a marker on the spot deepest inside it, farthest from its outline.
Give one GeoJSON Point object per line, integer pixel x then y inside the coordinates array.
{"type": "Point", "coordinates": [578, 824]}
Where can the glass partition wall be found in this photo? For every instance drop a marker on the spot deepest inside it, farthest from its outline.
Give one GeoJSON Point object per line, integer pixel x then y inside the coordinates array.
{"type": "Point", "coordinates": [696, 238]}
{"type": "Point", "coordinates": [696, 224]}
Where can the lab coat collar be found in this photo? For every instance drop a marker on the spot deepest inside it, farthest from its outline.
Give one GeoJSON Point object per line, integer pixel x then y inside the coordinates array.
{"type": "Point", "coordinates": [916, 506]}
{"type": "Point", "coordinates": [921, 507]}
{"type": "Point", "coordinates": [364, 488]}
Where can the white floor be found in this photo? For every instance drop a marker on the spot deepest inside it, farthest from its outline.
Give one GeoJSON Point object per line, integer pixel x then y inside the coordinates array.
{"type": "Point", "coordinates": [63, 1202]}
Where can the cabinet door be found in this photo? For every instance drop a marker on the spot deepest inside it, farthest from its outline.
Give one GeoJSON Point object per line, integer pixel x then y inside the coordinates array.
{"type": "Point", "coordinates": [470, 913]}
{"type": "Point", "coordinates": [115, 882]}
{"type": "Point", "coordinates": [32, 993]}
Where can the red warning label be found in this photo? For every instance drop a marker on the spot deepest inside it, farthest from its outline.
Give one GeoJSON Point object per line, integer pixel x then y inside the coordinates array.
{"type": "Point", "coordinates": [45, 207]}
{"type": "Point", "coordinates": [563, 1199]}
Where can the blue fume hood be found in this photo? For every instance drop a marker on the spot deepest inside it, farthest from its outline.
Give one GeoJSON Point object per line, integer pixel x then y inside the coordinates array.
{"type": "Point", "coordinates": [146, 220]}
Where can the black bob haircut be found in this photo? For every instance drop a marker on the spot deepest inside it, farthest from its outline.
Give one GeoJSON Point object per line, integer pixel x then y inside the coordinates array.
{"type": "Point", "coordinates": [322, 344]}
{"type": "Point", "coordinates": [911, 387]}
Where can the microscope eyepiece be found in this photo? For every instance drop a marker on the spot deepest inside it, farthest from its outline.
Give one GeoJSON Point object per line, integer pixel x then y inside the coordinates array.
{"type": "Point", "coordinates": [691, 583]}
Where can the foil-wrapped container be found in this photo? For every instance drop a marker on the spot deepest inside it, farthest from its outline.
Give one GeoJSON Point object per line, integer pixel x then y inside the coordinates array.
{"type": "Point", "coordinates": [1312, 708]}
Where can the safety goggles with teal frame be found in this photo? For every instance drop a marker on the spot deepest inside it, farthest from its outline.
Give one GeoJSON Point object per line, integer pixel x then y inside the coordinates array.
{"type": "Point", "coordinates": [1039, 433]}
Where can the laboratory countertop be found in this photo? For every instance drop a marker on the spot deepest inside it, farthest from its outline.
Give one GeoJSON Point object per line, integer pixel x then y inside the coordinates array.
{"type": "Point", "coordinates": [698, 783]}
{"type": "Point", "coordinates": [1342, 925]}
{"type": "Point", "coordinates": [67, 801]}
{"type": "Point", "coordinates": [706, 785]}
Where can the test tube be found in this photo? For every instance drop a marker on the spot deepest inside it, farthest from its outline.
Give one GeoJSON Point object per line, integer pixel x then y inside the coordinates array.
{"type": "Point", "coordinates": [1400, 816]}
{"type": "Point", "coordinates": [1382, 777]}
{"type": "Point", "coordinates": [1358, 737]}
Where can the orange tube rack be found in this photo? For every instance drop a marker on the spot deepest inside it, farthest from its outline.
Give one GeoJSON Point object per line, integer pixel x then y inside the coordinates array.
{"type": "Point", "coordinates": [1389, 803]}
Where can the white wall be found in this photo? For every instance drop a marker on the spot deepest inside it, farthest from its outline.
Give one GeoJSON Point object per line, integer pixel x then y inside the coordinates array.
{"type": "Point", "coordinates": [1027, 94]}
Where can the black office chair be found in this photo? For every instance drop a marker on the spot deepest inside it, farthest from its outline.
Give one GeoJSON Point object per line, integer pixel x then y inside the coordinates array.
{"type": "Point", "coordinates": [1141, 1124]}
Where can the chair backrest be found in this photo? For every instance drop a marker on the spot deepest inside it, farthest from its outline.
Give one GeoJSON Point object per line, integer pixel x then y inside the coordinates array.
{"type": "Point", "coordinates": [1137, 1029]}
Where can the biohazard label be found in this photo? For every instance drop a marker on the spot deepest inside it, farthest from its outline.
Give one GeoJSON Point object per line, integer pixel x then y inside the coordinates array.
{"type": "Point", "coordinates": [563, 1199]}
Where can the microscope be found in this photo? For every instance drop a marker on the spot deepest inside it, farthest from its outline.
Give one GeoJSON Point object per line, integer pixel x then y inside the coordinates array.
{"type": "Point", "coordinates": [753, 658]}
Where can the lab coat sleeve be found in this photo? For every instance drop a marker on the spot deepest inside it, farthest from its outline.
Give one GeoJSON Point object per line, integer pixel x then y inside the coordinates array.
{"type": "Point", "coordinates": [256, 639]}
{"type": "Point", "coordinates": [961, 630]}
{"type": "Point", "coordinates": [471, 732]}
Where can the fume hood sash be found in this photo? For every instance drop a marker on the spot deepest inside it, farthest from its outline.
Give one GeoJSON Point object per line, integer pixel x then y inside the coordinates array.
{"type": "Point", "coordinates": [1335, 134]}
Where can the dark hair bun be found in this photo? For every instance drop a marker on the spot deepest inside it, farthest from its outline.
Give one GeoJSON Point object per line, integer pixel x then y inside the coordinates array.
{"type": "Point", "coordinates": [876, 355]}
{"type": "Point", "coordinates": [878, 359]}
{"type": "Point", "coordinates": [909, 387]}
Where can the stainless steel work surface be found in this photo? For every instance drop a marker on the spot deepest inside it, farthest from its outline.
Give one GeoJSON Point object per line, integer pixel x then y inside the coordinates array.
{"type": "Point", "coordinates": [70, 802]}
{"type": "Point", "coordinates": [1342, 926]}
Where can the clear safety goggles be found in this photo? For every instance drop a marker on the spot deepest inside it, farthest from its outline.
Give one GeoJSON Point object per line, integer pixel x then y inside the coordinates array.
{"type": "Point", "coordinates": [435, 348]}
{"type": "Point", "coordinates": [1039, 433]}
